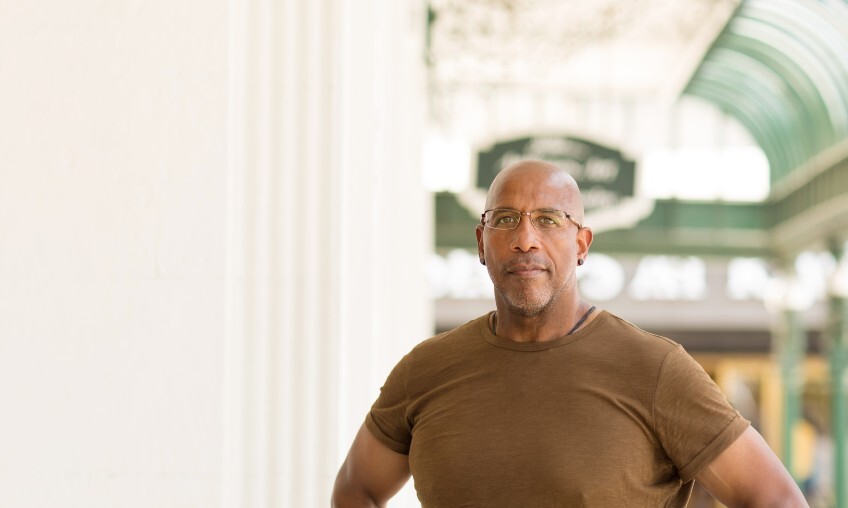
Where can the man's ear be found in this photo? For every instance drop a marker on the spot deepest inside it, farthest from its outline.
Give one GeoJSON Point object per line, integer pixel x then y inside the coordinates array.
{"type": "Point", "coordinates": [584, 240]}
{"type": "Point", "coordinates": [480, 250]}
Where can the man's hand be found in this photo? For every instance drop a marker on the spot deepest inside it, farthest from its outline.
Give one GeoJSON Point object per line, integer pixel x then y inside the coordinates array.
{"type": "Point", "coordinates": [749, 474]}
{"type": "Point", "coordinates": [370, 475]}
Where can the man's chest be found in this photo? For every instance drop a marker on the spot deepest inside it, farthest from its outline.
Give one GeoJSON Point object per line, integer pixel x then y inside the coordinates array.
{"type": "Point", "coordinates": [499, 433]}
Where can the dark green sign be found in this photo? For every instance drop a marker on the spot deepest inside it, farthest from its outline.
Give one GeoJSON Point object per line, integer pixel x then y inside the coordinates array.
{"type": "Point", "coordinates": [603, 174]}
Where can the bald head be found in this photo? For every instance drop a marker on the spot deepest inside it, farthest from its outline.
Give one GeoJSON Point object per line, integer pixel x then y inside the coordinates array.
{"type": "Point", "coordinates": [540, 178]}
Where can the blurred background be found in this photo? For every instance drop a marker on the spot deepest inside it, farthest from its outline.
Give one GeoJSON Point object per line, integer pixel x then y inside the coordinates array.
{"type": "Point", "coordinates": [223, 222]}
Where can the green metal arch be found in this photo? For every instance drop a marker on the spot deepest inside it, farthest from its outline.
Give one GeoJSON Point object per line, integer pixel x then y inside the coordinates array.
{"type": "Point", "coordinates": [824, 47]}
{"type": "Point", "coordinates": [763, 90]}
{"type": "Point", "coordinates": [781, 68]}
{"type": "Point", "coordinates": [747, 114]}
{"type": "Point", "coordinates": [800, 93]}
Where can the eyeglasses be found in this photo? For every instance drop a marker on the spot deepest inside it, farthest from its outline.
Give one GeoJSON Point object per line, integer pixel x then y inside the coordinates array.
{"type": "Point", "coordinates": [543, 220]}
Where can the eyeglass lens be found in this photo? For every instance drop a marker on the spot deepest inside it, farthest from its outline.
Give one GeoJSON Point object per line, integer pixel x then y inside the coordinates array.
{"type": "Point", "coordinates": [541, 219]}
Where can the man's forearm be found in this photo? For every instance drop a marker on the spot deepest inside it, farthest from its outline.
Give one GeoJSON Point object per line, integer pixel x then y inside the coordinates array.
{"type": "Point", "coordinates": [347, 498]}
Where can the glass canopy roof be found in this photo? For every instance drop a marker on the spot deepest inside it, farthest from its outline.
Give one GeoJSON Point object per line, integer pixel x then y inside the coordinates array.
{"type": "Point", "coordinates": [781, 68]}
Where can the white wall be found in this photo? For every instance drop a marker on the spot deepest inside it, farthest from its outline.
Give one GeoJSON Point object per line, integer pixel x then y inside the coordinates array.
{"type": "Point", "coordinates": [165, 338]}
{"type": "Point", "coordinates": [112, 259]}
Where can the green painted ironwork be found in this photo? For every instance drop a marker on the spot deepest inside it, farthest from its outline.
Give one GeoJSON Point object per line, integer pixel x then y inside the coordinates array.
{"type": "Point", "coordinates": [779, 67]}
{"type": "Point", "coordinates": [825, 185]}
{"type": "Point", "coordinates": [791, 347]}
{"type": "Point", "coordinates": [838, 360]}
{"type": "Point", "coordinates": [836, 344]}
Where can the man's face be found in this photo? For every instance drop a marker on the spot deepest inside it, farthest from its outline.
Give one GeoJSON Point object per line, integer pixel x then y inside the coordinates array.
{"type": "Point", "coordinates": [532, 269]}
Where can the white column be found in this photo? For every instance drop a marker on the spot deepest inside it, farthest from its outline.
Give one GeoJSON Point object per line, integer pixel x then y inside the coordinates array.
{"type": "Point", "coordinates": [112, 265]}
{"type": "Point", "coordinates": [328, 230]}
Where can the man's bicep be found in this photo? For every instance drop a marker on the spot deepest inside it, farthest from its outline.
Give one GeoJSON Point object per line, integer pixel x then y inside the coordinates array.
{"type": "Point", "coordinates": [748, 473]}
{"type": "Point", "coordinates": [370, 471]}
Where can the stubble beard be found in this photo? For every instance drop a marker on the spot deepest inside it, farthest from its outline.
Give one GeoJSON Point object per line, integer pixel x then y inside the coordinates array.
{"type": "Point", "coordinates": [528, 301]}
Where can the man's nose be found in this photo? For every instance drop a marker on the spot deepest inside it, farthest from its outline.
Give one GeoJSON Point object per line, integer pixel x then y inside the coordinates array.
{"type": "Point", "coordinates": [525, 237]}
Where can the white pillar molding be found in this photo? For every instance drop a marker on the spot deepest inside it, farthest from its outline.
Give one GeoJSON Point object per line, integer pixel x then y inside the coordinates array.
{"type": "Point", "coordinates": [328, 231]}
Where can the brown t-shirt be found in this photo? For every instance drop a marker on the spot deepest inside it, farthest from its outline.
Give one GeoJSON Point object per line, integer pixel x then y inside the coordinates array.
{"type": "Point", "coordinates": [608, 416]}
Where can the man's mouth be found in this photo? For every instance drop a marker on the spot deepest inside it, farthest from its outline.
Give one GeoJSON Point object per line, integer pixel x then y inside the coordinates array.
{"type": "Point", "coordinates": [525, 270]}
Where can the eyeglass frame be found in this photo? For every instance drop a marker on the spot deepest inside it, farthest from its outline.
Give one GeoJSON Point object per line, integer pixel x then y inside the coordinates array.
{"type": "Point", "coordinates": [530, 215]}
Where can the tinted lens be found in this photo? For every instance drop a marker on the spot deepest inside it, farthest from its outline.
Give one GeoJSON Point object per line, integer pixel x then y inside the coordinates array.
{"type": "Point", "coordinates": [502, 219]}
{"type": "Point", "coordinates": [548, 219]}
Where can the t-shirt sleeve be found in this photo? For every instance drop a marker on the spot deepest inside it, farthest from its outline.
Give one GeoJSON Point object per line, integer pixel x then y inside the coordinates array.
{"type": "Point", "coordinates": [694, 420]}
{"type": "Point", "coordinates": [387, 420]}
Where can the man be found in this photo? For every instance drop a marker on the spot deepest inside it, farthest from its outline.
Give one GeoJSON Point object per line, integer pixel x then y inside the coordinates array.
{"type": "Point", "coordinates": [549, 401]}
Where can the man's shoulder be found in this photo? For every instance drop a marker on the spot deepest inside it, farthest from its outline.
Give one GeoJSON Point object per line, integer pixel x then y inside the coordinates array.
{"type": "Point", "coordinates": [623, 334]}
{"type": "Point", "coordinates": [468, 333]}
{"type": "Point", "coordinates": [446, 350]}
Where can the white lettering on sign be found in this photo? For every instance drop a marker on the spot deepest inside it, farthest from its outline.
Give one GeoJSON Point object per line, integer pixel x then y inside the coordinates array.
{"type": "Point", "coordinates": [601, 170]}
{"type": "Point", "coordinates": [573, 167]}
{"type": "Point", "coordinates": [602, 278]}
{"type": "Point", "coordinates": [547, 147]}
{"type": "Point", "coordinates": [598, 197]}
{"type": "Point", "coordinates": [459, 275]}
{"type": "Point", "coordinates": [747, 279]}
{"type": "Point", "coordinates": [669, 278]}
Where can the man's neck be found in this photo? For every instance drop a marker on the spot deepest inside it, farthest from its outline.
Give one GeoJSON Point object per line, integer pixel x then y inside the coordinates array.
{"type": "Point", "coordinates": [548, 325]}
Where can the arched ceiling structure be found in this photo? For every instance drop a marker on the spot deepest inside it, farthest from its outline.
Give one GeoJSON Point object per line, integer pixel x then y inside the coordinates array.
{"type": "Point", "coordinates": [780, 67]}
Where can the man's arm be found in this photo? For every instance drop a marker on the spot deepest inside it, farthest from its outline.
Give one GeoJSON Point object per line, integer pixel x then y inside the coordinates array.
{"type": "Point", "coordinates": [748, 474]}
{"type": "Point", "coordinates": [370, 475]}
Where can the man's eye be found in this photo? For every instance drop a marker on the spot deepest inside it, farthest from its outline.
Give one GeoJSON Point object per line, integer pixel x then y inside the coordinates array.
{"type": "Point", "coordinates": [506, 219]}
{"type": "Point", "coordinates": [547, 221]}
